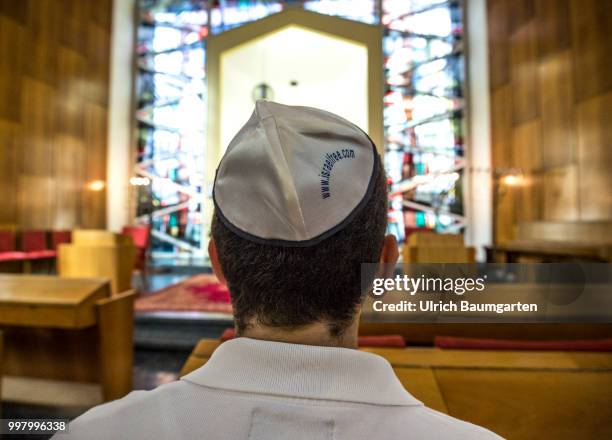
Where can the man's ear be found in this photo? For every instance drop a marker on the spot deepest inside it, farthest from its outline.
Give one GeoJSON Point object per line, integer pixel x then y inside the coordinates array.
{"type": "Point", "coordinates": [390, 252]}
{"type": "Point", "coordinates": [214, 261]}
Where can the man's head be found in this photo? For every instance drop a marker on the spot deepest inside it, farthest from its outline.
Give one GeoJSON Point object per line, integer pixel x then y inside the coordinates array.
{"type": "Point", "coordinates": [294, 280]}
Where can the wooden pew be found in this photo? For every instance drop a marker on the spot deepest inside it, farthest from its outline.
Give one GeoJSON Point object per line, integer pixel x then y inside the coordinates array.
{"type": "Point", "coordinates": [97, 253]}
{"type": "Point", "coordinates": [68, 330]}
{"type": "Point", "coordinates": [429, 247]}
{"type": "Point", "coordinates": [116, 344]}
{"type": "Point", "coordinates": [519, 395]}
{"type": "Point", "coordinates": [424, 333]}
{"type": "Point", "coordinates": [556, 241]}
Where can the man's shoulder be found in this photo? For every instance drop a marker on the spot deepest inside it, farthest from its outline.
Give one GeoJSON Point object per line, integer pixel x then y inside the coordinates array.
{"type": "Point", "coordinates": [140, 410]}
{"type": "Point", "coordinates": [141, 399]}
{"type": "Point", "coordinates": [440, 425]}
{"type": "Point", "coordinates": [156, 414]}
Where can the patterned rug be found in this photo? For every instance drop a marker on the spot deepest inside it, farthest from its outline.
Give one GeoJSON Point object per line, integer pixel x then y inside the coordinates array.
{"type": "Point", "coordinates": [200, 293]}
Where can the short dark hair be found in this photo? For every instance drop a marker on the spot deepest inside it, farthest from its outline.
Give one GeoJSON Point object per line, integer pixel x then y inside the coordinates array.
{"type": "Point", "coordinates": [290, 287]}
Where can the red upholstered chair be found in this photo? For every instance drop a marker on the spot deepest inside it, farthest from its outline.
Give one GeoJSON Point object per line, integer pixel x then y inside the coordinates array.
{"type": "Point", "coordinates": [8, 251]}
{"type": "Point", "coordinates": [460, 343]}
{"type": "Point", "coordinates": [388, 341]}
{"type": "Point", "coordinates": [12, 256]}
{"type": "Point", "coordinates": [7, 241]}
{"type": "Point", "coordinates": [34, 244]}
{"type": "Point", "coordinates": [141, 236]}
{"type": "Point", "coordinates": [60, 237]}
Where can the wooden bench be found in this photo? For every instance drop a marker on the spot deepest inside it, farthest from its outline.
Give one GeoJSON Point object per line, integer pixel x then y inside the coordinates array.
{"type": "Point", "coordinates": [429, 247]}
{"type": "Point", "coordinates": [519, 395]}
{"type": "Point", "coordinates": [556, 241]}
{"type": "Point", "coordinates": [68, 330]}
{"type": "Point", "coordinates": [98, 253]}
{"type": "Point", "coordinates": [424, 333]}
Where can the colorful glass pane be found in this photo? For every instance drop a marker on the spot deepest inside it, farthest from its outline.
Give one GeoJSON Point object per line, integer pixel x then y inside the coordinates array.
{"type": "Point", "coordinates": [423, 108]}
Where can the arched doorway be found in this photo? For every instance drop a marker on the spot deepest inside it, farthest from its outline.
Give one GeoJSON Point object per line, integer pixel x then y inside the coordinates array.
{"type": "Point", "coordinates": [294, 57]}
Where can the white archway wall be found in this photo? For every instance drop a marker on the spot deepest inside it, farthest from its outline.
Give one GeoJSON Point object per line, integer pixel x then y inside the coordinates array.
{"type": "Point", "coordinates": [360, 34]}
{"type": "Point", "coordinates": [119, 152]}
{"type": "Point", "coordinates": [478, 184]}
{"type": "Point", "coordinates": [329, 73]}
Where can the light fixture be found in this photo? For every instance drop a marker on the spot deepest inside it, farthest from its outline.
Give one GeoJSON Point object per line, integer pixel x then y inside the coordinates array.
{"type": "Point", "coordinates": [262, 91]}
{"type": "Point", "coordinates": [513, 180]}
{"type": "Point", "coordinates": [96, 185]}
{"type": "Point", "coordinates": [510, 177]}
{"type": "Point", "coordinates": [139, 181]}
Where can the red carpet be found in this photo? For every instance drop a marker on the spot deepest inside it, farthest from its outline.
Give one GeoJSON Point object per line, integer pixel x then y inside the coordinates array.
{"type": "Point", "coordinates": [201, 293]}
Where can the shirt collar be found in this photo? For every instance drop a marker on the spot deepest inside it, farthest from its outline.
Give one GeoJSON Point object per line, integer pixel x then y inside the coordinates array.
{"type": "Point", "coordinates": [305, 371]}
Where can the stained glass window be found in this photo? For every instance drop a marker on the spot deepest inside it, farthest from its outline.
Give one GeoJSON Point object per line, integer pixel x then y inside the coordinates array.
{"type": "Point", "coordinates": [423, 113]}
{"type": "Point", "coordinates": [170, 90]}
{"type": "Point", "coordinates": [423, 109]}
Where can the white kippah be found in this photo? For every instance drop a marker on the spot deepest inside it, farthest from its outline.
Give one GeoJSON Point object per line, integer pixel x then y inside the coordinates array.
{"type": "Point", "coordinates": [293, 176]}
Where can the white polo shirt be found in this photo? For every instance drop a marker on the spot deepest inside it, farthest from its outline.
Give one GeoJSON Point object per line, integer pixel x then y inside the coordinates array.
{"type": "Point", "coordinates": [261, 390]}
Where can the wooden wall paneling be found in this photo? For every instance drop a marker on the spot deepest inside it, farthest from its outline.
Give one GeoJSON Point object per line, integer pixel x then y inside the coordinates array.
{"type": "Point", "coordinates": [560, 193]}
{"type": "Point", "coordinates": [497, 11]}
{"type": "Point", "coordinates": [595, 158]}
{"type": "Point", "coordinates": [12, 61]}
{"type": "Point", "coordinates": [552, 17]}
{"type": "Point", "coordinates": [36, 185]}
{"type": "Point", "coordinates": [501, 126]}
{"type": "Point", "coordinates": [41, 64]}
{"type": "Point", "coordinates": [102, 13]}
{"type": "Point", "coordinates": [556, 94]}
{"type": "Point", "coordinates": [39, 119]}
{"type": "Point", "coordinates": [9, 133]}
{"type": "Point", "coordinates": [592, 43]}
{"type": "Point", "coordinates": [11, 65]}
{"type": "Point", "coordinates": [45, 19]}
{"type": "Point", "coordinates": [98, 40]}
{"type": "Point", "coordinates": [54, 65]}
{"type": "Point", "coordinates": [528, 199]}
{"type": "Point", "coordinates": [36, 208]}
{"type": "Point", "coordinates": [72, 68]}
{"type": "Point", "coordinates": [75, 25]}
{"type": "Point", "coordinates": [69, 175]}
{"type": "Point", "coordinates": [44, 24]}
{"type": "Point", "coordinates": [94, 212]}
{"type": "Point", "coordinates": [505, 214]}
{"type": "Point", "coordinates": [523, 73]}
{"type": "Point", "coordinates": [553, 84]}
{"type": "Point", "coordinates": [527, 156]}
{"type": "Point", "coordinates": [17, 11]}
{"type": "Point", "coordinates": [519, 13]}
{"type": "Point", "coordinates": [527, 146]}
